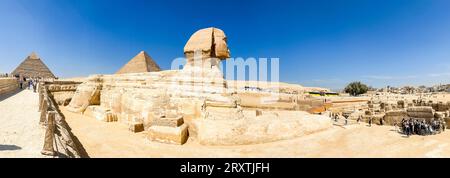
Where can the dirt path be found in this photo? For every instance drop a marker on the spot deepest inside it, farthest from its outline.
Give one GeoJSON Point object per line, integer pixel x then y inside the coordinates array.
{"type": "Point", "coordinates": [114, 140]}
{"type": "Point", "coordinates": [20, 132]}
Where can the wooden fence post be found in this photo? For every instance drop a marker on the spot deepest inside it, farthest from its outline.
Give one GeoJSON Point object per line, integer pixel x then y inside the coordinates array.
{"type": "Point", "coordinates": [44, 111]}
{"type": "Point", "coordinates": [41, 98]}
{"type": "Point", "coordinates": [49, 135]}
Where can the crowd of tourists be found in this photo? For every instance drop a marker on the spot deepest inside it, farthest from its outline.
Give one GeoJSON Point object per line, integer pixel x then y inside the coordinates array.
{"type": "Point", "coordinates": [408, 127]}
{"type": "Point", "coordinates": [421, 127]}
{"type": "Point", "coordinates": [28, 83]}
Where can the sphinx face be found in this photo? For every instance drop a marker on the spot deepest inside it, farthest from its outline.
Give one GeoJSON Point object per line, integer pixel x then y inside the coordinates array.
{"type": "Point", "coordinates": [208, 42]}
{"type": "Point", "coordinates": [220, 43]}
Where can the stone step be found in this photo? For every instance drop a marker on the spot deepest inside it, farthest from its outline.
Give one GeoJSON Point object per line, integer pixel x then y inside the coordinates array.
{"type": "Point", "coordinates": [100, 113]}
{"type": "Point", "coordinates": [136, 127]}
{"type": "Point", "coordinates": [168, 122]}
{"type": "Point", "coordinates": [169, 135]}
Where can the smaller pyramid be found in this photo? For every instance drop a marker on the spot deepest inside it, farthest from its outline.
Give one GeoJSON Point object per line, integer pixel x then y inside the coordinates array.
{"type": "Point", "coordinates": [139, 64]}
{"type": "Point", "coordinates": [33, 67]}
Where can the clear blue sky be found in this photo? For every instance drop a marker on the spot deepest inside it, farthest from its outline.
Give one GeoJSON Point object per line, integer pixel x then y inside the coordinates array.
{"type": "Point", "coordinates": [319, 43]}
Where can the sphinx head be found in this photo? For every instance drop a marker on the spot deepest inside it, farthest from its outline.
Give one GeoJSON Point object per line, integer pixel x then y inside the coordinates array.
{"type": "Point", "coordinates": [209, 43]}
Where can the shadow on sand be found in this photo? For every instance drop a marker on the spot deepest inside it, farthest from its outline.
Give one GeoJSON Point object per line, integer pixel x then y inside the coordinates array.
{"type": "Point", "coordinates": [7, 95]}
{"type": "Point", "coordinates": [9, 147]}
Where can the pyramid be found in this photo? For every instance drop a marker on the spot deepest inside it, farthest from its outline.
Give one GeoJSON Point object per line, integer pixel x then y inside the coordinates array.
{"type": "Point", "coordinates": [139, 64]}
{"type": "Point", "coordinates": [33, 67]}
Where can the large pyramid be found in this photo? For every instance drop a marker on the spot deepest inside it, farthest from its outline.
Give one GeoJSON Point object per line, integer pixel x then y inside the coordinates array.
{"type": "Point", "coordinates": [33, 67]}
{"type": "Point", "coordinates": [140, 63]}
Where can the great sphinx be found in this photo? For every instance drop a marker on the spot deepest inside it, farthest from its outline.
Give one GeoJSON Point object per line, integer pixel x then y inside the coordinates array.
{"type": "Point", "coordinates": [194, 101]}
{"type": "Point", "coordinates": [199, 90]}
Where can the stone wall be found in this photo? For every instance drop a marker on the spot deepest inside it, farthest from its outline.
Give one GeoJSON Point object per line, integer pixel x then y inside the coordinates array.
{"type": "Point", "coordinates": [63, 91]}
{"type": "Point", "coordinates": [8, 85]}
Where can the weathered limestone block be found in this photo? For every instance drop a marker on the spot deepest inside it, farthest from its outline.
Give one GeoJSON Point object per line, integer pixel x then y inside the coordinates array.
{"type": "Point", "coordinates": [425, 112]}
{"type": "Point", "coordinates": [393, 117]}
{"type": "Point", "coordinates": [258, 113]}
{"type": "Point", "coordinates": [63, 98]}
{"type": "Point", "coordinates": [441, 106]}
{"type": "Point", "coordinates": [100, 113]}
{"type": "Point", "coordinates": [266, 128]}
{"type": "Point", "coordinates": [439, 115]}
{"type": "Point", "coordinates": [221, 113]}
{"type": "Point", "coordinates": [132, 107]}
{"type": "Point", "coordinates": [136, 127]}
{"type": "Point", "coordinates": [112, 99]}
{"type": "Point", "coordinates": [171, 135]}
{"type": "Point", "coordinates": [169, 122]}
{"type": "Point", "coordinates": [62, 87]}
{"type": "Point", "coordinates": [87, 94]}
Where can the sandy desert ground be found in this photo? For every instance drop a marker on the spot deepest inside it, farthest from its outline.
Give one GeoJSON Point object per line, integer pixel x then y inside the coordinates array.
{"type": "Point", "coordinates": [21, 136]}
{"type": "Point", "coordinates": [114, 140]}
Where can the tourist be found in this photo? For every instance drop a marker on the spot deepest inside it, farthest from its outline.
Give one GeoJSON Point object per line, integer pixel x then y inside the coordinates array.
{"type": "Point", "coordinates": [23, 82]}
{"type": "Point", "coordinates": [30, 84]}
{"type": "Point", "coordinates": [370, 121]}
{"type": "Point", "coordinates": [443, 125]}
{"type": "Point", "coordinates": [431, 131]}
{"type": "Point", "coordinates": [395, 125]}
{"type": "Point", "coordinates": [407, 128]}
{"type": "Point", "coordinates": [422, 128]}
{"type": "Point", "coordinates": [34, 85]}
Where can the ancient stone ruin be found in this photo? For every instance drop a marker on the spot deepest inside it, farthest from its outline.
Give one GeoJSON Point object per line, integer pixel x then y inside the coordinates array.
{"type": "Point", "coordinates": [140, 63]}
{"type": "Point", "coordinates": [33, 67]}
{"type": "Point", "coordinates": [194, 102]}
{"type": "Point", "coordinates": [391, 109]}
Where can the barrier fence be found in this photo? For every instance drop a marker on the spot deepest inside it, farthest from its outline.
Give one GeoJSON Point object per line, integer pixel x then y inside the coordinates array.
{"type": "Point", "coordinates": [59, 140]}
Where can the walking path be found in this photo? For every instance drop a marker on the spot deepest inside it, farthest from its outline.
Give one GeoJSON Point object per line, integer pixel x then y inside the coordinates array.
{"type": "Point", "coordinates": [20, 132]}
